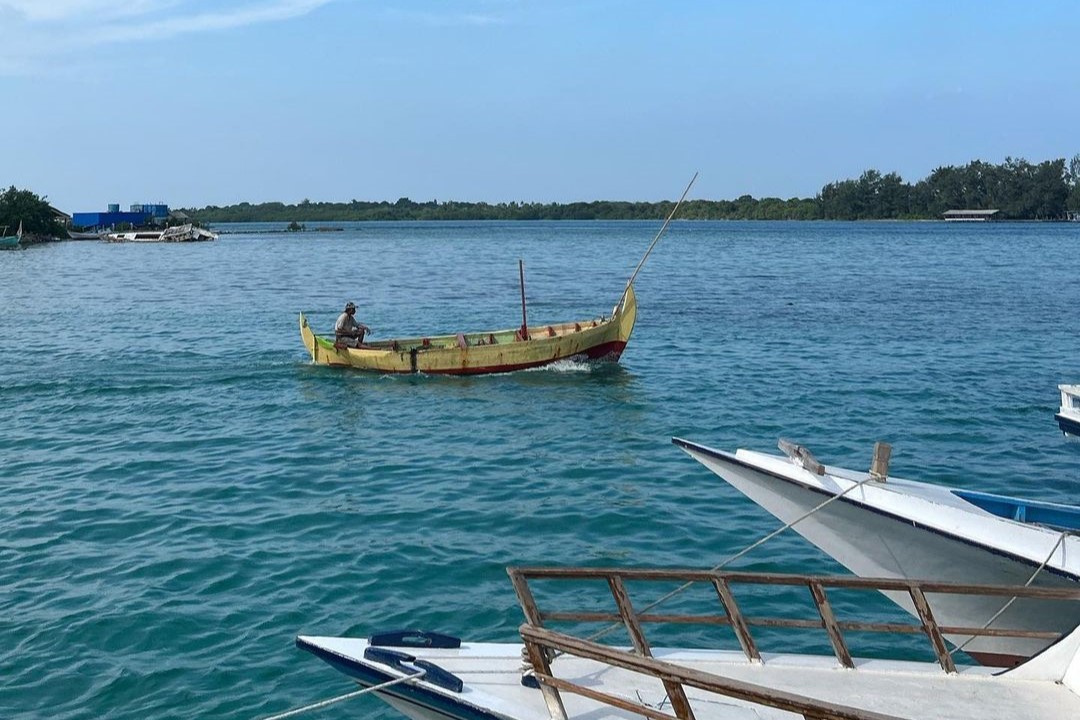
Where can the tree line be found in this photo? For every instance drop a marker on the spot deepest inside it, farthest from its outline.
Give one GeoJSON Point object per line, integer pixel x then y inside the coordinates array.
{"type": "Point", "coordinates": [1020, 190]}
{"type": "Point", "coordinates": [32, 211]}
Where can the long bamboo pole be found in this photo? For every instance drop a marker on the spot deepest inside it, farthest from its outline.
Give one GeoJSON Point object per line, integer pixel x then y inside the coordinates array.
{"type": "Point", "coordinates": [657, 238]}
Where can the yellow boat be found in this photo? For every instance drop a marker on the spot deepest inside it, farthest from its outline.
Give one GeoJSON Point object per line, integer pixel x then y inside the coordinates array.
{"type": "Point", "coordinates": [599, 339]}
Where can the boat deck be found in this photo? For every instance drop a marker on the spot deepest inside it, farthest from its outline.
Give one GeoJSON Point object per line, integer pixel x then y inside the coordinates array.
{"type": "Point", "coordinates": [877, 688]}
{"type": "Point", "coordinates": [558, 676]}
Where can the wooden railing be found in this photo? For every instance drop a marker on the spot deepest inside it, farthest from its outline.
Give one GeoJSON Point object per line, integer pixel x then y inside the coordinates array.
{"type": "Point", "coordinates": [543, 644]}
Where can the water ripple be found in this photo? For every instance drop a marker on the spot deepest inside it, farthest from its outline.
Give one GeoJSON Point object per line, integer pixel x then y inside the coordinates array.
{"type": "Point", "coordinates": [184, 492]}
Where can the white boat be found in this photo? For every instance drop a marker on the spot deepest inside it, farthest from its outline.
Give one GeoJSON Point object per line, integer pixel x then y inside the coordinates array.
{"type": "Point", "coordinates": [1068, 417]}
{"type": "Point", "coordinates": [552, 675]}
{"type": "Point", "coordinates": [890, 527]}
{"type": "Point", "coordinates": [177, 233]}
{"type": "Point", "coordinates": [77, 235]}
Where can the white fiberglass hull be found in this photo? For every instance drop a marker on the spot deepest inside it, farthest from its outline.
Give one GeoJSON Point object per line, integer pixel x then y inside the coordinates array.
{"type": "Point", "coordinates": [902, 529]}
{"type": "Point", "coordinates": [1068, 416]}
{"type": "Point", "coordinates": [879, 689]}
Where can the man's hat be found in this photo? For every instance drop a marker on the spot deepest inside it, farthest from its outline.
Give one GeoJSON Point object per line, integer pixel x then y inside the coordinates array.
{"type": "Point", "coordinates": [350, 306]}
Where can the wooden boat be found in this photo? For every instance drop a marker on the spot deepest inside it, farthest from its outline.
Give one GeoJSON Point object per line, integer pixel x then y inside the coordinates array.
{"type": "Point", "coordinates": [882, 526]}
{"type": "Point", "coordinates": [554, 674]}
{"type": "Point", "coordinates": [9, 242]}
{"type": "Point", "coordinates": [598, 339]}
{"type": "Point", "coordinates": [1068, 417]}
{"type": "Point", "coordinates": [177, 233]}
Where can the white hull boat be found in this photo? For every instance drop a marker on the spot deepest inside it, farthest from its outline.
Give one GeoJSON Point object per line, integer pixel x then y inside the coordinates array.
{"type": "Point", "coordinates": [1068, 417]}
{"type": "Point", "coordinates": [177, 233]}
{"type": "Point", "coordinates": [895, 528]}
{"type": "Point", "coordinates": [436, 677]}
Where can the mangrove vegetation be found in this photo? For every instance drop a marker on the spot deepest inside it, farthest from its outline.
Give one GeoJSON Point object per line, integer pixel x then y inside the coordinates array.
{"type": "Point", "coordinates": [1020, 190]}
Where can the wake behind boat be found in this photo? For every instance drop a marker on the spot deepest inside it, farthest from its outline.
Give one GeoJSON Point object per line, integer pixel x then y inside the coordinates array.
{"type": "Point", "coordinates": [1068, 417]}
{"type": "Point", "coordinates": [889, 527]}
{"type": "Point", "coordinates": [560, 675]}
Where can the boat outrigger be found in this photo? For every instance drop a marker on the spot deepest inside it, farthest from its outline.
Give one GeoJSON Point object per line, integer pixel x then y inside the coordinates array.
{"type": "Point", "coordinates": [476, 353]}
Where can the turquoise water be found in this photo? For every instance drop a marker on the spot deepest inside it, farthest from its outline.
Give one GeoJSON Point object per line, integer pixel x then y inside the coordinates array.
{"type": "Point", "coordinates": [183, 493]}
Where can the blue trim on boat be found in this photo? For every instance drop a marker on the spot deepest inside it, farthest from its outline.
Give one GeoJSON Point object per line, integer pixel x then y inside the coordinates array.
{"type": "Point", "coordinates": [1053, 515]}
{"type": "Point", "coordinates": [413, 693]}
{"type": "Point", "coordinates": [730, 458]}
{"type": "Point", "coordinates": [1068, 425]}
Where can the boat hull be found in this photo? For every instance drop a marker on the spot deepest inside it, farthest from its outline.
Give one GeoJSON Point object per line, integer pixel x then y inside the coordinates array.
{"type": "Point", "coordinates": [175, 234]}
{"type": "Point", "coordinates": [1068, 416]}
{"type": "Point", "coordinates": [873, 542]}
{"type": "Point", "coordinates": [491, 687]}
{"type": "Point", "coordinates": [1069, 424]}
{"type": "Point", "coordinates": [486, 352]}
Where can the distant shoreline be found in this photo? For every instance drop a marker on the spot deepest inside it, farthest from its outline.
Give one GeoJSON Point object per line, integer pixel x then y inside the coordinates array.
{"type": "Point", "coordinates": [1015, 190]}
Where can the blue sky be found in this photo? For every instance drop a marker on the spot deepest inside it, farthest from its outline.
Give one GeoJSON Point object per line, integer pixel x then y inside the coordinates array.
{"type": "Point", "coordinates": [199, 102]}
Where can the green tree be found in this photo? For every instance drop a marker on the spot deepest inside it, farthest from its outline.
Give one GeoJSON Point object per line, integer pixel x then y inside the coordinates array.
{"type": "Point", "coordinates": [1073, 202]}
{"type": "Point", "coordinates": [32, 211]}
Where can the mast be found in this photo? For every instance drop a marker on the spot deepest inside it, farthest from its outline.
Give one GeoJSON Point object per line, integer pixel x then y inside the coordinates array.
{"type": "Point", "coordinates": [524, 321]}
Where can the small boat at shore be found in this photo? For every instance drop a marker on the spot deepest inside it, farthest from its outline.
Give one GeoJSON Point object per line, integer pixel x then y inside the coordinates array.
{"type": "Point", "coordinates": [78, 235]}
{"type": "Point", "coordinates": [1068, 417]}
{"type": "Point", "coordinates": [879, 526]}
{"type": "Point", "coordinates": [564, 674]}
{"type": "Point", "coordinates": [177, 233]}
{"type": "Point", "coordinates": [10, 242]}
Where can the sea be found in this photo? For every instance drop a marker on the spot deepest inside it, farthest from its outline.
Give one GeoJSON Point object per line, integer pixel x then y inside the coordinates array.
{"type": "Point", "coordinates": [183, 492]}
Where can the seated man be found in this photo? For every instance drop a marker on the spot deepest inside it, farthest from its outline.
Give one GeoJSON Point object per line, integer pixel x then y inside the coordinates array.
{"type": "Point", "coordinates": [347, 331]}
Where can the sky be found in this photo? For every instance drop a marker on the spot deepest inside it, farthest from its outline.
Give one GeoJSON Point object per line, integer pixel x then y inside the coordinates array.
{"type": "Point", "coordinates": [216, 102]}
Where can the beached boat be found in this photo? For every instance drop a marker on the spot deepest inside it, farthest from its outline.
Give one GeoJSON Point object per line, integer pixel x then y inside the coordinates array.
{"type": "Point", "coordinates": [1068, 417]}
{"type": "Point", "coordinates": [881, 526]}
{"type": "Point", "coordinates": [556, 675]}
{"type": "Point", "coordinates": [77, 235]}
{"type": "Point", "coordinates": [177, 233]}
{"type": "Point", "coordinates": [597, 339]}
{"type": "Point", "coordinates": [10, 242]}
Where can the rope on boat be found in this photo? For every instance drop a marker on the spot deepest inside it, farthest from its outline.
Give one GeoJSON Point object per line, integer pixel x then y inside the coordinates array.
{"type": "Point", "coordinates": [657, 238]}
{"type": "Point", "coordinates": [347, 696]}
{"type": "Point", "coordinates": [1010, 601]}
{"type": "Point", "coordinates": [527, 666]}
{"type": "Point", "coordinates": [736, 556]}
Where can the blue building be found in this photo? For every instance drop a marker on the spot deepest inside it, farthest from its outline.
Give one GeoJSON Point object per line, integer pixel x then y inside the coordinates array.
{"type": "Point", "coordinates": [136, 215]}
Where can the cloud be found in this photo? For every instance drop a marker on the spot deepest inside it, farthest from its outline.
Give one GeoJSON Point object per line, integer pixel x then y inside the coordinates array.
{"type": "Point", "coordinates": [50, 28]}
{"type": "Point", "coordinates": [207, 21]}
{"type": "Point", "coordinates": [51, 11]}
{"type": "Point", "coordinates": [448, 19]}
